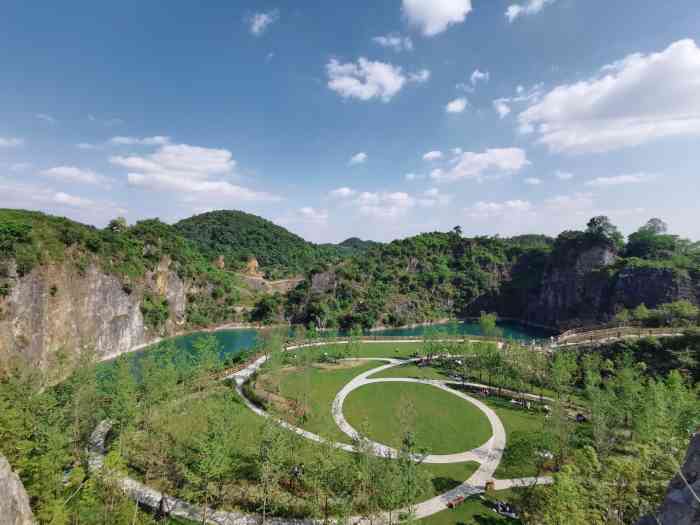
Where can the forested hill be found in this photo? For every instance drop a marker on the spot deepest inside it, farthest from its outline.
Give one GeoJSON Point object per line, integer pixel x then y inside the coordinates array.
{"type": "Point", "coordinates": [239, 236]}
{"type": "Point", "coordinates": [581, 277]}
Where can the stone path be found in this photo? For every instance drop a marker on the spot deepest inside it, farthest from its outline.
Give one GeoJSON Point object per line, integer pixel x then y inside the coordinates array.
{"type": "Point", "coordinates": [487, 455]}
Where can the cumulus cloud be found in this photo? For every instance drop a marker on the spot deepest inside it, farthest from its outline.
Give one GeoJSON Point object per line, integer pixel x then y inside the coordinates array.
{"type": "Point", "coordinates": [75, 175]}
{"type": "Point", "coordinates": [503, 105]}
{"type": "Point", "coordinates": [15, 194]}
{"type": "Point", "coordinates": [385, 205]}
{"type": "Point", "coordinates": [11, 142]}
{"type": "Point", "coordinates": [485, 210]}
{"type": "Point", "coordinates": [457, 105]}
{"type": "Point", "coordinates": [394, 41]}
{"type": "Point", "coordinates": [619, 180]}
{"type": "Point", "coordinates": [469, 165]}
{"type": "Point", "coordinates": [72, 200]}
{"type": "Point", "coordinates": [158, 140]}
{"type": "Point", "coordinates": [502, 108]}
{"type": "Point", "coordinates": [432, 155]}
{"type": "Point", "coordinates": [579, 203]}
{"type": "Point", "coordinates": [564, 175]}
{"type": "Point", "coordinates": [631, 102]}
{"type": "Point", "coordinates": [193, 171]}
{"type": "Point", "coordinates": [358, 158]}
{"type": "Point", "coordinates": [343, 192]}
{"type": "Point", "coordinates": [479, 76]}
{"type": "Point", "coordinates": [435, 16]}
{"type": "Point", "coordinates": [366, 79]}
{"type": "Point", "coordinates": [258, 23]}
{"type": "Point", "coordinates": [313, 215]}
{"type": "Point", "coordinates": [533, 181]}
{"type": "Point", "coordinates": [531, 7]}
{"type": "Point", "coordinates": [420, 76]}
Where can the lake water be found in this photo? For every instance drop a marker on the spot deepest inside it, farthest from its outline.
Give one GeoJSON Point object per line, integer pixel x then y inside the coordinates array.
{"type": "Point", "coordinates": [235, 341]}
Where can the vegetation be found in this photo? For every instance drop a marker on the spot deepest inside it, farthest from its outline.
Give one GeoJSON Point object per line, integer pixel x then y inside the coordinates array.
{"type": "Point", "coordinates": [239, 237]}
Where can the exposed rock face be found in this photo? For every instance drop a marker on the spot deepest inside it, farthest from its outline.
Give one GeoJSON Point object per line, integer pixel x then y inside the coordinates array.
{"type": "Point", "coordinates": [652, 286]}
{"type": "Point", "coordinates": [57, 307]}
{"type": "Point", "coordinates": [14, 502]}
{"type": "Point", "coordinates": [681, 506]}
{"type": "Point", "coordinates": [575, 290]}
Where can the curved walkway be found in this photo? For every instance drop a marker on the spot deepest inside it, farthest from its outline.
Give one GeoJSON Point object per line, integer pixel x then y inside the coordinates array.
{"type": "Point", "coordinates": [488, 456]}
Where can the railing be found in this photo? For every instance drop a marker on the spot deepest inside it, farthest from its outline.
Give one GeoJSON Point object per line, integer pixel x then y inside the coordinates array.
{"type": "Point", "coordinates": [620, 332]}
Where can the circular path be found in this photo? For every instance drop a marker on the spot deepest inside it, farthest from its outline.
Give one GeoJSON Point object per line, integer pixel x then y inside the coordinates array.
{"type": "Point", "coordinates": [488, 455]}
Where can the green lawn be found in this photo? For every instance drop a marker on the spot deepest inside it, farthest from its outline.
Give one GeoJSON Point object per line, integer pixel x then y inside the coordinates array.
{"type": "Point", "coordinates": [383, 349]}
{"type": "Point", "coordinates": [413, 371]}
{"type": "Point", "coordinates": [443, 423]}
{"type": "Point", "coordinates": [516, 420]}
{"type": "Point", "coordinates": [316, 387]}
{"type": "Point", "coordinates": [474, 511]}
{"type": "Point", "coordinates": [447, 477]}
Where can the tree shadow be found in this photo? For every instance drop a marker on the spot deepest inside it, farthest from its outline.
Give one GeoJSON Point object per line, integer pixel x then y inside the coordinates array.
{"type": "Point", "coordinates": [442, 484]}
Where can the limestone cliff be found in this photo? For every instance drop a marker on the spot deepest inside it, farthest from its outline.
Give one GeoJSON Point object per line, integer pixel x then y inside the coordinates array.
{"type": "Point", "coordinates": [681, 505]}
{"type": "Point", "coordinates": [14, 503]}
{"type": "Point", "coordinates": [61, 307]}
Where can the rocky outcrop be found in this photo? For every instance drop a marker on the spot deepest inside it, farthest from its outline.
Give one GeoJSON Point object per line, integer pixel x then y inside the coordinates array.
{"type": "Point", "coordinates": [652, 286]}
{"type": "Point", "coordinates": [575, 289]}
{"type": "Point", "coordinates": [60, 307]}
{"type": "Point", "coordinates": [14, 502]}
{"type": "Point", "coordinates": [681, 505]}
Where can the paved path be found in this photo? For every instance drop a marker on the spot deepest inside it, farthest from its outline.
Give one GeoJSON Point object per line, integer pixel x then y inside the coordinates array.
{"type": "Point", "coordinates": [488, 455]}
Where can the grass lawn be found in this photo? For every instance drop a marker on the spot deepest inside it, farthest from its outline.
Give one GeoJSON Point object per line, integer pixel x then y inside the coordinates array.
{"type": "Point", "coordinates": [447, 477]}
{"type": "Point", "coordinates": [516, 420]}
{"type": "Point", "coordinates": [443, 423]}
{"type": "Point", "coordinates": [413, 371]}
{"type": "Point", "coordinates": [384, 349]}
{"type": "Point", "coordinates": [315, 387]}
{"type": "Point", "coordinates": [474, 511]}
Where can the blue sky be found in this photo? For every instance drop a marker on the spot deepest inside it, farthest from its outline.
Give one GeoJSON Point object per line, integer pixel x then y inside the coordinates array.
{"type": "Point", "coordinates": [375, 119]}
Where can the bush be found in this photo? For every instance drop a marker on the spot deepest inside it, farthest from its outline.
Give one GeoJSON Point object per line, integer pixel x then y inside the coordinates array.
{"type": "Point", "coordinates": [155, 310]}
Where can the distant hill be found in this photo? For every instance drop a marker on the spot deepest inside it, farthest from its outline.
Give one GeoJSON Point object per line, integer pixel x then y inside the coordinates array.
{"type": "Point", "coordinates": [239, 236]}
{"type": "Point", "coordinates": [349, 247]}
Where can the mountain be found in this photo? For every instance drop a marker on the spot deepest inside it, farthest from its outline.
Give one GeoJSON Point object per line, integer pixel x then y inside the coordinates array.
{"type": "Point", "coordinates": [66, 286]}
{"type": "Point", "coordinates": [579, 278]}
{"type": "Point", "coordinates": [239, 236]}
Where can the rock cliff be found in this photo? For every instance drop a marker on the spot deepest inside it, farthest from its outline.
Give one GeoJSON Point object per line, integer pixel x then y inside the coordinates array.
{"type": "Point", "coordinates": [681, 505]}
{"type": "Point", "coordinates": [58, 307]}
{"type": "Point", "coordinates": [14, 503]}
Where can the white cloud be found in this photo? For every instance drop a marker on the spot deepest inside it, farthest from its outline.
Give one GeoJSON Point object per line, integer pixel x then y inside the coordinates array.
{"type": "Point", "coordinates": [619, 180]}
{"type": "Point", "coordinates": [46, 118]}
{"type": "Point", "coordinates": [366, 80]}
{"type": "Point", "coordinates": [485, 210]}
{"type": "Point", "coordinates": [434, 16]}
{"type": "Point", "coordinates": [109, 122]}
{"type": "Point", "coordinates": [413, 176]}
{"type": "Point", "coordinates": [11, 142]}
{"type": "Point", "coordinates": [260, 22]}
{"type": "Point", "coordinates": [502, 108]}
{"type": "Point", "coordinates": [457, 105]}
{"type": "Point", "coordinates": [432, 155]}
{"type": "Point", "coordinates": [479, 76]}
{"type": "Point", "coordinates": [533, 181]}
{"type": "Point", "coordinates": [72, 200]}
{"type": "Point", "coordinates": [394, 41]}
{"type": "Point", "coordinates": [386, 205]}
{"type": "Point", "coordinates": [531, 7]}
{"type": "Point", "coordinates": [631, 102]}
{"type": "Point", "coordinates": [433, 197]}
{"type": "Point", "coordinates": [313, 215]}
{"type": "Point", "coordinates": [343, 193]}
{"type": "Point", "coordinates": [76, 175]}
{"type": "Point", "coordinates": [86, 146]}
{"type": "Point", "coordinates": [157, 140]}
{"type": "Point", "coordinates": [358, 158]}
{"type": "Point", "coordinates": [471, 165]}
{"type": "Point", "coordinates": [580, 203]}
{"type": "Point", "coordinates": [194, 172]}
{"type": "Point", "coordinates": [564, 175]}
{"type": "Point", "coordinates": [420, 76]}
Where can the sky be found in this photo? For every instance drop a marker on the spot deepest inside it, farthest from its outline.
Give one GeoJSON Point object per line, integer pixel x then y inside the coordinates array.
{"type": "Point", "coordinates": [372, 119]}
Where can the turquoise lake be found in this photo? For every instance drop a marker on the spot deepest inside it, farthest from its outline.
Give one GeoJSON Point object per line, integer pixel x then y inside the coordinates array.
{"type": "Point", "coordinates": [235, 341]}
